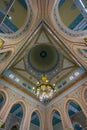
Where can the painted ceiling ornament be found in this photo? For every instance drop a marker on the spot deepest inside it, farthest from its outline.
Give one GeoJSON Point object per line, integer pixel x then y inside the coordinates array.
{"type": "Point", "coordinates": [43, 59]}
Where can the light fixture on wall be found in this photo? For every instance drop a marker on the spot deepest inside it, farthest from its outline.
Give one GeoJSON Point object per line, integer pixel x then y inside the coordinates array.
{"type": "Point", "coordinates": [44, 90]}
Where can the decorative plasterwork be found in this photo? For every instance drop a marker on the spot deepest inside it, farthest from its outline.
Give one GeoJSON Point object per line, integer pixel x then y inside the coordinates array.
{"type": "Point", "coordinates": [43, 59]}
{"type": "Point", "coordinates": [23, 74]}
{"type": "Point", "coordinates": [5, 55]}
{"type": "Point", "coordinates": [62, 27]}
{"type": "Point", "coordinates": [75, 92]}
{"type": "Point", "coordinates": [81, 52]}
{"type": "Point", "coordinates": [25, 27]}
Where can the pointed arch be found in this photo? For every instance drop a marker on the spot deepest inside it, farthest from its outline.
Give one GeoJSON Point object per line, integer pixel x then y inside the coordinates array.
{"type": "Point", "coordinates": [84, 94]}
{"type": "Point", "coordinates": [19, 114]}
{"type": "Point", "coordinates": [75, 113]}
{"type": "Point", "coordinates": [4, 98]}
{"type": "Point", "coordinates": [56, 120]}
{"type": "Point", "coordinates": [36, 119]}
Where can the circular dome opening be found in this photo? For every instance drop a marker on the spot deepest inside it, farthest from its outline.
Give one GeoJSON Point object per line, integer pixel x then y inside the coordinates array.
{"type": "Point", "coordinates": [43, 58]}
{"type": "Point", "coordinates": [13, 14]}
{"type": "Point", "coordinates": [73, 14]}
{"type": "Point", "coordinates": [43, 54]}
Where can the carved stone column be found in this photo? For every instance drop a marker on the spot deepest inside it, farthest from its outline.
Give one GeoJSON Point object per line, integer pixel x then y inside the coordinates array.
{"type": "Point", "coordinates": [47, 121]}
{"type": "Point", "coordinates": [26, 121]}
{"type": "Point", "coordinates": [66, 122]}
{"type": "Point", "coordinates": [67, 125]}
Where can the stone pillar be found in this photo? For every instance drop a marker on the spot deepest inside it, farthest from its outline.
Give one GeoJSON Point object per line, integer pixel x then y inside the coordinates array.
{"type": "Point", "coordinates": [27, 119]}
{"type": "Point", "coordinates": [66, 122]}
{"type": "Point", "coordinates": [48, 118]}
{"type": "Point", "coordinates": [25, 125]}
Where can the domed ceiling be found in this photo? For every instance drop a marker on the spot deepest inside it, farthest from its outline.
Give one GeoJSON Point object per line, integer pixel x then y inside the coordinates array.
{"type": "Point", "coordinates": [44, 55]}
{"type": "Point", "coordinates": [44, 44]}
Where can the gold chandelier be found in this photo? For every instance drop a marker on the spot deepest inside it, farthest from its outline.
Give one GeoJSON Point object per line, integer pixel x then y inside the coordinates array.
{"type": "Point", "coordinates": [44, 90]}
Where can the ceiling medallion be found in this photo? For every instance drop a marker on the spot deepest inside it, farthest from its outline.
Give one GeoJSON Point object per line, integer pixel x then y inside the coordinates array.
{"type": "Point", "coordinates": [44, 90]}
{"type": "Point", "coordinates": [43, 59]}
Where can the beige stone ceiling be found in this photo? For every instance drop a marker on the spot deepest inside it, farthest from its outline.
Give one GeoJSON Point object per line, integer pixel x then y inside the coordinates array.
{"type": "Point", "coordinates": [41, 28]}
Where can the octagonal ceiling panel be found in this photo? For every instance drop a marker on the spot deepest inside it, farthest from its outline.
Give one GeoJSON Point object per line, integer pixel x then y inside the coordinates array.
{"type": "Point", "coordinates": [43, 54]}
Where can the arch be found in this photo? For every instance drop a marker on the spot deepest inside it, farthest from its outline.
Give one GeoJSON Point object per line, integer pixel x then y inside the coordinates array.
{"type": "Point", "coordinates": [36, 119]}
{"type": "Point", "coordinates": [54, 109]}
{"type": "Point", "coordinates": [75, 100]}
{"type": "Point", "coordinates": [59, 25]}
{"type": "Point", "coordinates": [2, 99]}
{"type": "Point", "coordinates": [15, 115]}
{"type": "Point", "coordinates": [49, 115]}
{"type": "Point", "coordinates": [9, 21]}
{"type": "Point", "coordinates": [15, 102]}
{"type": "Point", "coordinates": [56, 120]}
{"type": "Point", "coordinates": [84, 94]}
{"type": "Point", "coordinates": [2, 90]}
{"type": "Point", "coordinates": [75, 112]}
{"type": "Point", "coordinates": [25, 26]}
{"type": "Point", "coordinates": [24, 108]}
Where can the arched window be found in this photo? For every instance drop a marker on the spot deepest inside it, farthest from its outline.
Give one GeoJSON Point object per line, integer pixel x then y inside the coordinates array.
{"type": "Point", "coordinates": [56, 121]}
{"type": "Point", "coordinates": [35, 123]}
{"type": "Point", "coordinates": [15, 116]}
{"type": "Point", "coordinates": [2, 99]}
{"type": "Point", "coordinates": [76, 115]}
